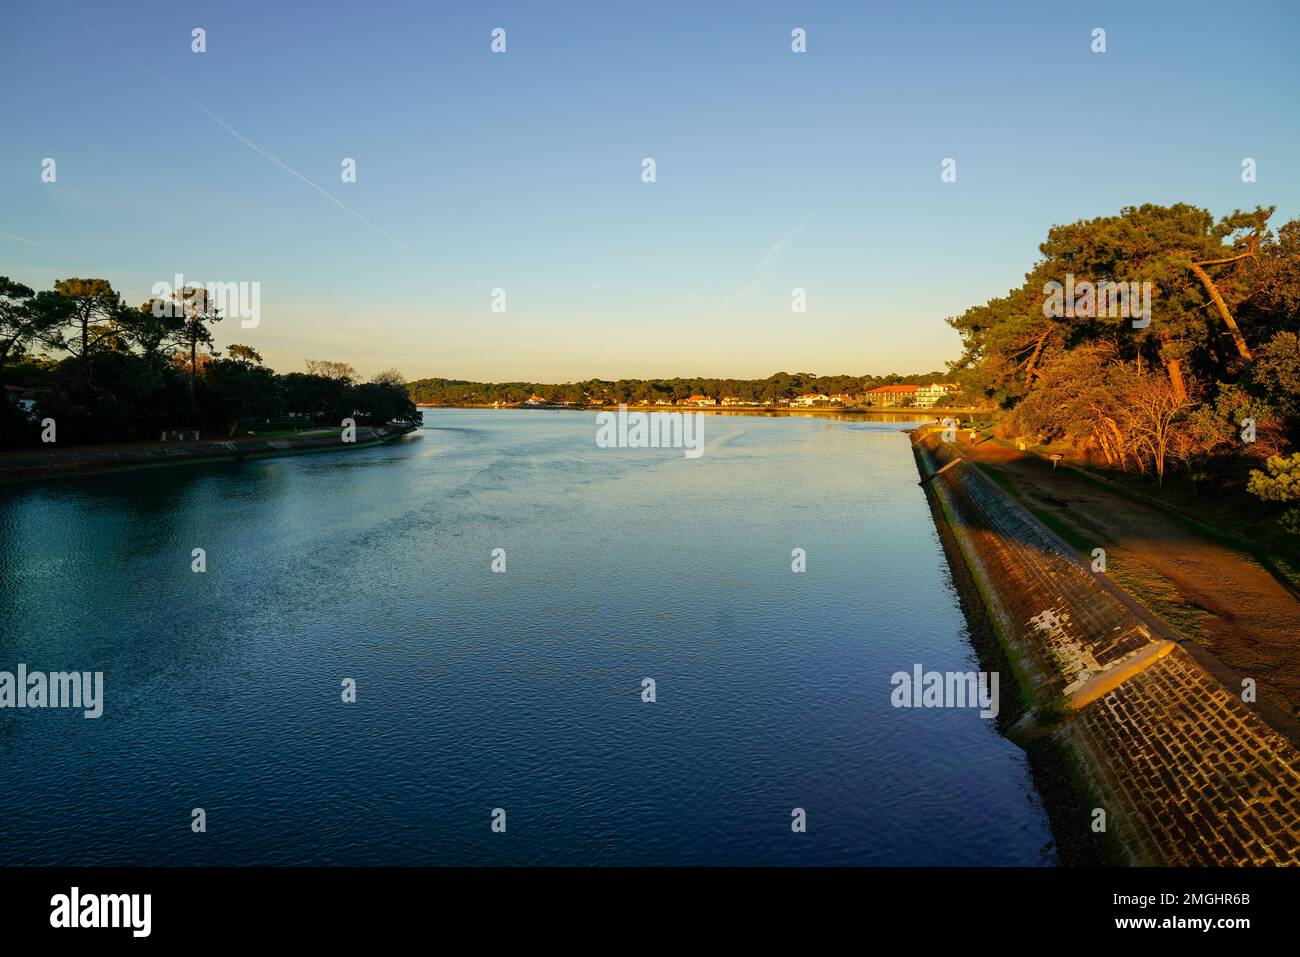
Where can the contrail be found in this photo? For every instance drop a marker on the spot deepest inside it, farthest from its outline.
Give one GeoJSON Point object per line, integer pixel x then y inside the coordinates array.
{"type": "Point", "coordinates": [771, 256]}
{"type": "Point", "coordinates": [774, 252]}
{"type": "Point", "coordinates": [20, 239]}
{"type": "Point", "coordinates": [243, 139]}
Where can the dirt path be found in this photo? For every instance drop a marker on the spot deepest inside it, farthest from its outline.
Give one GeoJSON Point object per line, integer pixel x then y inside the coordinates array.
{"type": "Point", "coordinates": [1214, 594]}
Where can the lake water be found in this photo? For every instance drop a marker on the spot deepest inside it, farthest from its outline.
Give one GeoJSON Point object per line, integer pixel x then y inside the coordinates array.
{"type": "Point", "coordinates": [519, 690]}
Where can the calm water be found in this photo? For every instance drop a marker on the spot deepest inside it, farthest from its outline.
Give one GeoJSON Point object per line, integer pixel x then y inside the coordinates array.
{"type": "Point", "coordinates": [519, 690]}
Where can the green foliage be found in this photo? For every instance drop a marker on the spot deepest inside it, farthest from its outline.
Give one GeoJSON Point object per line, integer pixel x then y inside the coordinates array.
{"type": "Point", "coordinates": [243, 353]}
{"type": "Point", "coordinates": [1276, 375]}
{"type": "Point", "coordinates": [119, 385]}
{"type": "Point", "coordinates": [379, 402]}
{"type": "Point", "coordinates": [1194, 388]}
{"type": "Point", "coordinates": [28, 319]}
{"type": "Point", "coordinates": [1007, 338]}
{"type": "Point", "coordinates": [1282, 481]}
{"type": "Point", "coordinates": [1280, 484]}
{"type": "Point", "coordinates": [91, 305]}
{"type": "Point", "coordinates": [780, 385]}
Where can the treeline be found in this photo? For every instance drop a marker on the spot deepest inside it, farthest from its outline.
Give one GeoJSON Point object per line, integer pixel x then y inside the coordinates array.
{"type": "Point", "coordinates": [781, 385]}
{"type": "Point", "coordinates": [105, 371]}
{"type": "Point", "coordinates": [1204, 384]}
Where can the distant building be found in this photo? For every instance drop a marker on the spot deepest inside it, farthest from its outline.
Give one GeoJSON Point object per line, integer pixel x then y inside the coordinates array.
{"type": "Point", "coordinates": [733, 400]}
{"type": "Point", "coordinates": [928, 395]}
{"type": "Point", "coordinates": [809, 398]}
{"type": "Point", "coordinates": [700, 400]}
{"type": "Point", "coordinates": [887, 395]}
{"type": "Point", "coordinates": [842, 398]}
{"type": "Point", "coordinates": [22, 397]}
{"type": "Point", "coordinates": [537, 400]}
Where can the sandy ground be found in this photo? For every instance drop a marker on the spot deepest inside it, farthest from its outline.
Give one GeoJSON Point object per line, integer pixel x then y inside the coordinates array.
{"type": "Point", "coordinates": [1220, 597]}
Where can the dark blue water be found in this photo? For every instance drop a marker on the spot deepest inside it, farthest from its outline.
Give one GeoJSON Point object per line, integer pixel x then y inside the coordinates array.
{"type": "Point", "coordinates": [521, 690]}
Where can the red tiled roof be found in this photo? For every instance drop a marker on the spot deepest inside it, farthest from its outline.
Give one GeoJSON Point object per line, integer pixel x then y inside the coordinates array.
{"type": "Point", "coordinates": [893, 388]}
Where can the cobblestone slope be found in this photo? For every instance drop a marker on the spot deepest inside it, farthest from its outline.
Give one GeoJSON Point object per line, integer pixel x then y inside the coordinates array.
{"type": "Point", "coordinates": [1185, 771]}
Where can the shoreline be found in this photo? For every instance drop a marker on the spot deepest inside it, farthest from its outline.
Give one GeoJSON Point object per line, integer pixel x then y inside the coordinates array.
{"type": "Point", "coordinates": [1122, 722]}
{"type": "Point", "coordinates": [26, 465]}
{"type": "Point", "coordinates": [1049, 775]}
{"type": "Point", "coordinates": [758, 410]}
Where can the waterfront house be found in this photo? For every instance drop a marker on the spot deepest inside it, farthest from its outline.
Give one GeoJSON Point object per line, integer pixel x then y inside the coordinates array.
{"type": "Point", "coordinates": [700, 400]}
{"type": "Point", "coordinates": [809, 398]}
{"type": "Point", "coordinates": [928, 395]}
{"type": "Point", "coordinates": [536, 400]}
{"type": "Point", "coordinates": [889, 395]}
{"type": "Point", "coordinates": [842, 398]}
{"type": "Point", "coordinates": [24, 398]}
{"type": "Point", "coordinates": [733, 400]}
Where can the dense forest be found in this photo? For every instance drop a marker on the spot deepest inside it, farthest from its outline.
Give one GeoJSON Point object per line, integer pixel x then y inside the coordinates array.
{"type": "Point", "coordinates": [781, 385]}
{"type": "Point", "coordinates": [1202, 386]}
{"type": "Point", "coordinates": [103, 371]}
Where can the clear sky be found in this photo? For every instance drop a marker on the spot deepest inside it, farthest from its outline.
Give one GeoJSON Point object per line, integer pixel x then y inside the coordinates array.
{"type": "Point", "coordinates": [522, 170]}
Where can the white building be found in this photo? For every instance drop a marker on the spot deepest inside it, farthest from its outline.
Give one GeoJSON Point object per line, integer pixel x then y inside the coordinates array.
{"type": "Point", "coordinates": [928, 395]}
{"type": "Point", "coordinates": [24, 398]}
{"type": "Point", "coordinates": [810, 398]}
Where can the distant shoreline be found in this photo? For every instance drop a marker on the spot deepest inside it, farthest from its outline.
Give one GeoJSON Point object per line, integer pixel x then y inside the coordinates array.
{"type": "Point", "coordinates": [760, 410]}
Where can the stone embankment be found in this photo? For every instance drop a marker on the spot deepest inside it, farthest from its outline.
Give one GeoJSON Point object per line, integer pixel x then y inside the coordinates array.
{"type": "Point", "coordinates": [1185, 771]}
{"type": "Point", "coordinates": [49, 462]}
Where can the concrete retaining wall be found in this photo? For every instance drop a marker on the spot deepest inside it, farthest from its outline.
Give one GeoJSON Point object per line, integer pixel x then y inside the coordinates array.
{"type": "Point", "coordinates": [1184, 770]}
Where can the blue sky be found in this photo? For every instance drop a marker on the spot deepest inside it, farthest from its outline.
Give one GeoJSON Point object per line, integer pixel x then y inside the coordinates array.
{"type": "Point", "coordinates": [522, 170]}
